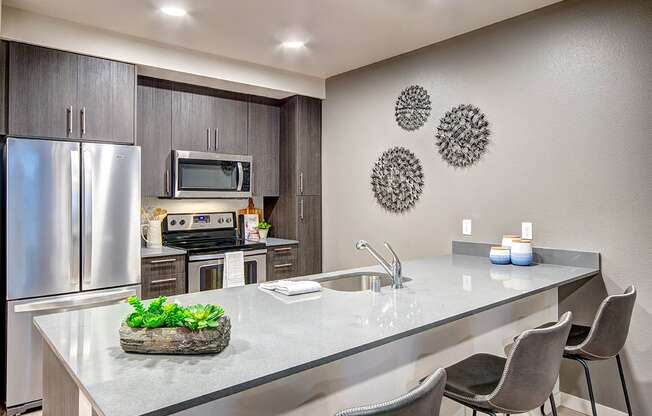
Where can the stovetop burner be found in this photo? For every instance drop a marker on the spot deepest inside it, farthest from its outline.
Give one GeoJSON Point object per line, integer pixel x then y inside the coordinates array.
{"type": "Point", "coordinates": [217, 245]}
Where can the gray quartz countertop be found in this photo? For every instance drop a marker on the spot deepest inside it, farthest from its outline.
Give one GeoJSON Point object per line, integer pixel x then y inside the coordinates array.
{"type": "Point", "coordinates": [273, 242]}
{"type": "Point", "coordinates": [269, 340]}
{"type": "Point", "coordinates": [146, 252]}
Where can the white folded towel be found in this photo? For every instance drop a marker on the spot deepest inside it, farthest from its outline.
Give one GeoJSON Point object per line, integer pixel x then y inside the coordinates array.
{"type": "Point", "coordinates": [291, 288]}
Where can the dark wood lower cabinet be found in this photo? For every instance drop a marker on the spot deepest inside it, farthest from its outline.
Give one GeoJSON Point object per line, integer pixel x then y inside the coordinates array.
{"type": "Point", "coordinates": [309, 234]}
{"type": "Point", "coordinates": [282, 262]}
{"type": "Point", "coordinates": [163, 276]}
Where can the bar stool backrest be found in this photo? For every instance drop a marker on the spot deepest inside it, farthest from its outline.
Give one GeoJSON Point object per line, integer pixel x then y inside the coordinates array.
{"type": "Point", "coordinates": [424, 400]}
{"type": "Point", "coordinates": [610, 326]}
{"type": "Point", "coordinates": [532, 368]}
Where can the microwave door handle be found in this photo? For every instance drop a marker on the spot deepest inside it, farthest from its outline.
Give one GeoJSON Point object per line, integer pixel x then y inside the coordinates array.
{"type": "Point", "coordinates": [240, 176]}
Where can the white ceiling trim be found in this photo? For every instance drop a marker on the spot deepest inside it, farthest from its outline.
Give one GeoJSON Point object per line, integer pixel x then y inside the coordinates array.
{"type": "Point", "coordinates": [158, 59]}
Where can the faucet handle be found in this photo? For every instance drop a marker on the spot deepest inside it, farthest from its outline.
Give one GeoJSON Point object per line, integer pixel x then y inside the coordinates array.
{"type": "Point", "coordinates": [391, 250]}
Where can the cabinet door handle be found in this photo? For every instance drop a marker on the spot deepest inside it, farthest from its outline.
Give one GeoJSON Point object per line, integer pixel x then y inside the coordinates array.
{"type": "Point", "coordinates": [208, 139]}
{"type": "Point", "coordinates": [217, 138]}
{"type": "Point", "coordinates": [163, 261]}
{"type": "Point", "coordinates": [69, 120]}
{"type": "Point", "coordinates": [166, 179]}
{"type": "Point", "coordinates": [283, 249]}
{"type": "Point", "coordinates": [278, 266]}
{"type": "Point", "coordinates": [301, 209]}
{"type": "Point", "coordinates": [171, 279]}
{"type": "Point", "coordinates": [83, 121]}
{"type": "Point", "coordinates": [301, 182]}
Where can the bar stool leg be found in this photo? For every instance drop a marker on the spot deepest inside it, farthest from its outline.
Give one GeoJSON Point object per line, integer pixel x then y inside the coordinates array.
{"type": "Point", "coordinates": [543, 409]}
{"type": "Point", "coordinates": [622, 380]}
{"type": "Point", "coordinates": [589, 384]}
{"type": "Point", "coordinates": [553, 405]}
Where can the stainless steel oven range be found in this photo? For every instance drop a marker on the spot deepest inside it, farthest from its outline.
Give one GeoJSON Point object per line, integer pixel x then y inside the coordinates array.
{"type": "Point", "coordinates": [206, 238]}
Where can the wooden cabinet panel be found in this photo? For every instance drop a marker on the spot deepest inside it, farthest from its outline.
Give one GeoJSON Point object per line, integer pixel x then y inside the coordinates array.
{"type": "Point", "coordinates": [94, 98]}
{"type": "Point", "coordinates": [155, 139]}
{"type": "Point", "coordinates": [163, 276]}
{"type": "Point", "coordinates": [123, 102]}
{"type": "Point", "coordinates": [263, 145]}
{"type": "Point", "coordinates": [309, 234]}
{"type": "Point", "coordinates": [42, 91]}
{"type": "Point", "coordinates": [3, 87]}
{"type": "Point", "coordinates": [105, 100]}
{"type": "Point", "coordinates": [282, 262]}
{"type": "Point", "coordinates": [192, 118]}
{"type": "Point", "coordinates": [309, 145]}
{"type": "Point", "coordinates": [229, 121]}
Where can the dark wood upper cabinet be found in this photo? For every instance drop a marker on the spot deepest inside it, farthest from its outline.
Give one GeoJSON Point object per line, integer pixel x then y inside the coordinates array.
{"type": "Point", "coordinates": [309, 145]}
{"type": "Point", "coordinates": [58, 94]}
{"type": "Point", "coordinates": [192, 117]}
{"type": "Point", "coordinates": [123, 101]}
{"type": "Point", "coordinates": [229, 121]}
{"type": "Point", "coordinates": [42, 92]}
{"type": "Point", "coordinates": [263, 146]}
{"type": "Point", "coordinates": [155, 138]}
{"type": "Point", "coordinates": [208, 124]}
{"type": "Point", "coordinates": [106, 100]}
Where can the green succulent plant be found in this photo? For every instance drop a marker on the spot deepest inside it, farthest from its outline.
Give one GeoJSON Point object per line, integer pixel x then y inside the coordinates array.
{"type": "Point", "coordinates": [158, 314]}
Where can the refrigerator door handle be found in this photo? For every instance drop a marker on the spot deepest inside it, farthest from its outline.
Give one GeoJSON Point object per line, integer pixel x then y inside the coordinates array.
{"type": "Point", "coordinates": [74, 217]}
{"type": "Point", "coordinates": [75, 301]}
{"type": "Point", "coordinates": [87, 246]}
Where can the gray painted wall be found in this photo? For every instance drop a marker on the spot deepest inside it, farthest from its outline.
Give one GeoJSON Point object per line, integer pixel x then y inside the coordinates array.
{"type": "Point", "coordinates": [568, 92]}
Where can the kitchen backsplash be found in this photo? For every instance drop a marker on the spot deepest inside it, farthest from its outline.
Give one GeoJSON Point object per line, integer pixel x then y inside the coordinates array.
{"type": "Point", "coordinates": [199, 205]}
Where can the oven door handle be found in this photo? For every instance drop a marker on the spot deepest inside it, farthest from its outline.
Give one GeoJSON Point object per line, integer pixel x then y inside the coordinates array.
{"type": "Point", "coordinates": [240, 176]}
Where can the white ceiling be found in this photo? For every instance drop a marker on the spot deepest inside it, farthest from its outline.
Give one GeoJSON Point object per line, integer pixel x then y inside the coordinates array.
{"type": "Point", "coordinates": [341, 34]}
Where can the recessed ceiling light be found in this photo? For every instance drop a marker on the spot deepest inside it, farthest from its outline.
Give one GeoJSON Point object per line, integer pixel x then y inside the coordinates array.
{"type": "Point", "coordinates": [173, 11]}
{"type": "Point", "coordinates": [293, 44]}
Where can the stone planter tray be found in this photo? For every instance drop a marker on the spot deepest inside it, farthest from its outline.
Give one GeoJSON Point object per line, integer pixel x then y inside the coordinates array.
{"type": "Point", "coordinates": [176, 340]}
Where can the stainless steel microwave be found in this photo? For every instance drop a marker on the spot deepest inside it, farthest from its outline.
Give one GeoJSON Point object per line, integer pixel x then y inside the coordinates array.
{"type": "Point", "coordinates": [210, 175]}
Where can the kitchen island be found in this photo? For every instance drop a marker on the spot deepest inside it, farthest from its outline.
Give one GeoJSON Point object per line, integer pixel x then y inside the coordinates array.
{"type": "Point", "coordinates": [311, 354]}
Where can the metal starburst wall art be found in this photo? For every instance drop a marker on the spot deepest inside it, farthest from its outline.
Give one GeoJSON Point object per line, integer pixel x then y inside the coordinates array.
{"type": "Point", "coordinates": [462, 136]}
{"type": "Point", "coordinates": [397, 179]}
{"type": "Point", "coordinates": [412, 107]}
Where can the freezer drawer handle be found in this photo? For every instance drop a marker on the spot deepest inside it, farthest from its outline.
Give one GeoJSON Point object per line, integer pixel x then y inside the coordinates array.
{"type": "Point", "coordinates": [75, 301]}
{"type": "Point", "coordinates": [163, 261]}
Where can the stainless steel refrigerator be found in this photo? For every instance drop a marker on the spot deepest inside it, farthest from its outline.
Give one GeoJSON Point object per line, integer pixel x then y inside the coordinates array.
{"type": "Point", "coordinates": [72, 240]}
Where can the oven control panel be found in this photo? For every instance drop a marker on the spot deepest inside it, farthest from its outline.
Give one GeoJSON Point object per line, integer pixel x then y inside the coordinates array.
{"type": "Point", "coordinates": [207, 221]}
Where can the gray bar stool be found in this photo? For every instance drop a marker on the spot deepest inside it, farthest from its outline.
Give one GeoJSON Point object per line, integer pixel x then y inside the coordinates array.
{"type": "Point", "coordinates": [521, 382]}
{"type": "Point", "coordinates": [423, 400]}
{"type": "Point", "coordinates": [604, 339]}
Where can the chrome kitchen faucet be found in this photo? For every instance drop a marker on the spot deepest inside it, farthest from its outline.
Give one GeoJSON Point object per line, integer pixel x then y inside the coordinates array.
{"type": "Point", "coordinates": [393, 268]}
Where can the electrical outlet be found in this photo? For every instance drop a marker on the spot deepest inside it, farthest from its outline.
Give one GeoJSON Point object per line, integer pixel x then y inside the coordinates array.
{"type": "Point", "coordinates": [526, 230]}
{"type": "Point", "coordinates": [466, 227]}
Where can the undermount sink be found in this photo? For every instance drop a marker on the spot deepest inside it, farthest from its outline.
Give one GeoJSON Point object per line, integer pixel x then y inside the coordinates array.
{"type": "Point", "coordinates": [357, 282]}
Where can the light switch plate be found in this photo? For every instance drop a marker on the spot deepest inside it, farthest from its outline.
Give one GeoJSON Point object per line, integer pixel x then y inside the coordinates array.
{"type": "Point", "coordinates": [466, 227]}
{"type": "Point", "coordinates": [526, 230]}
